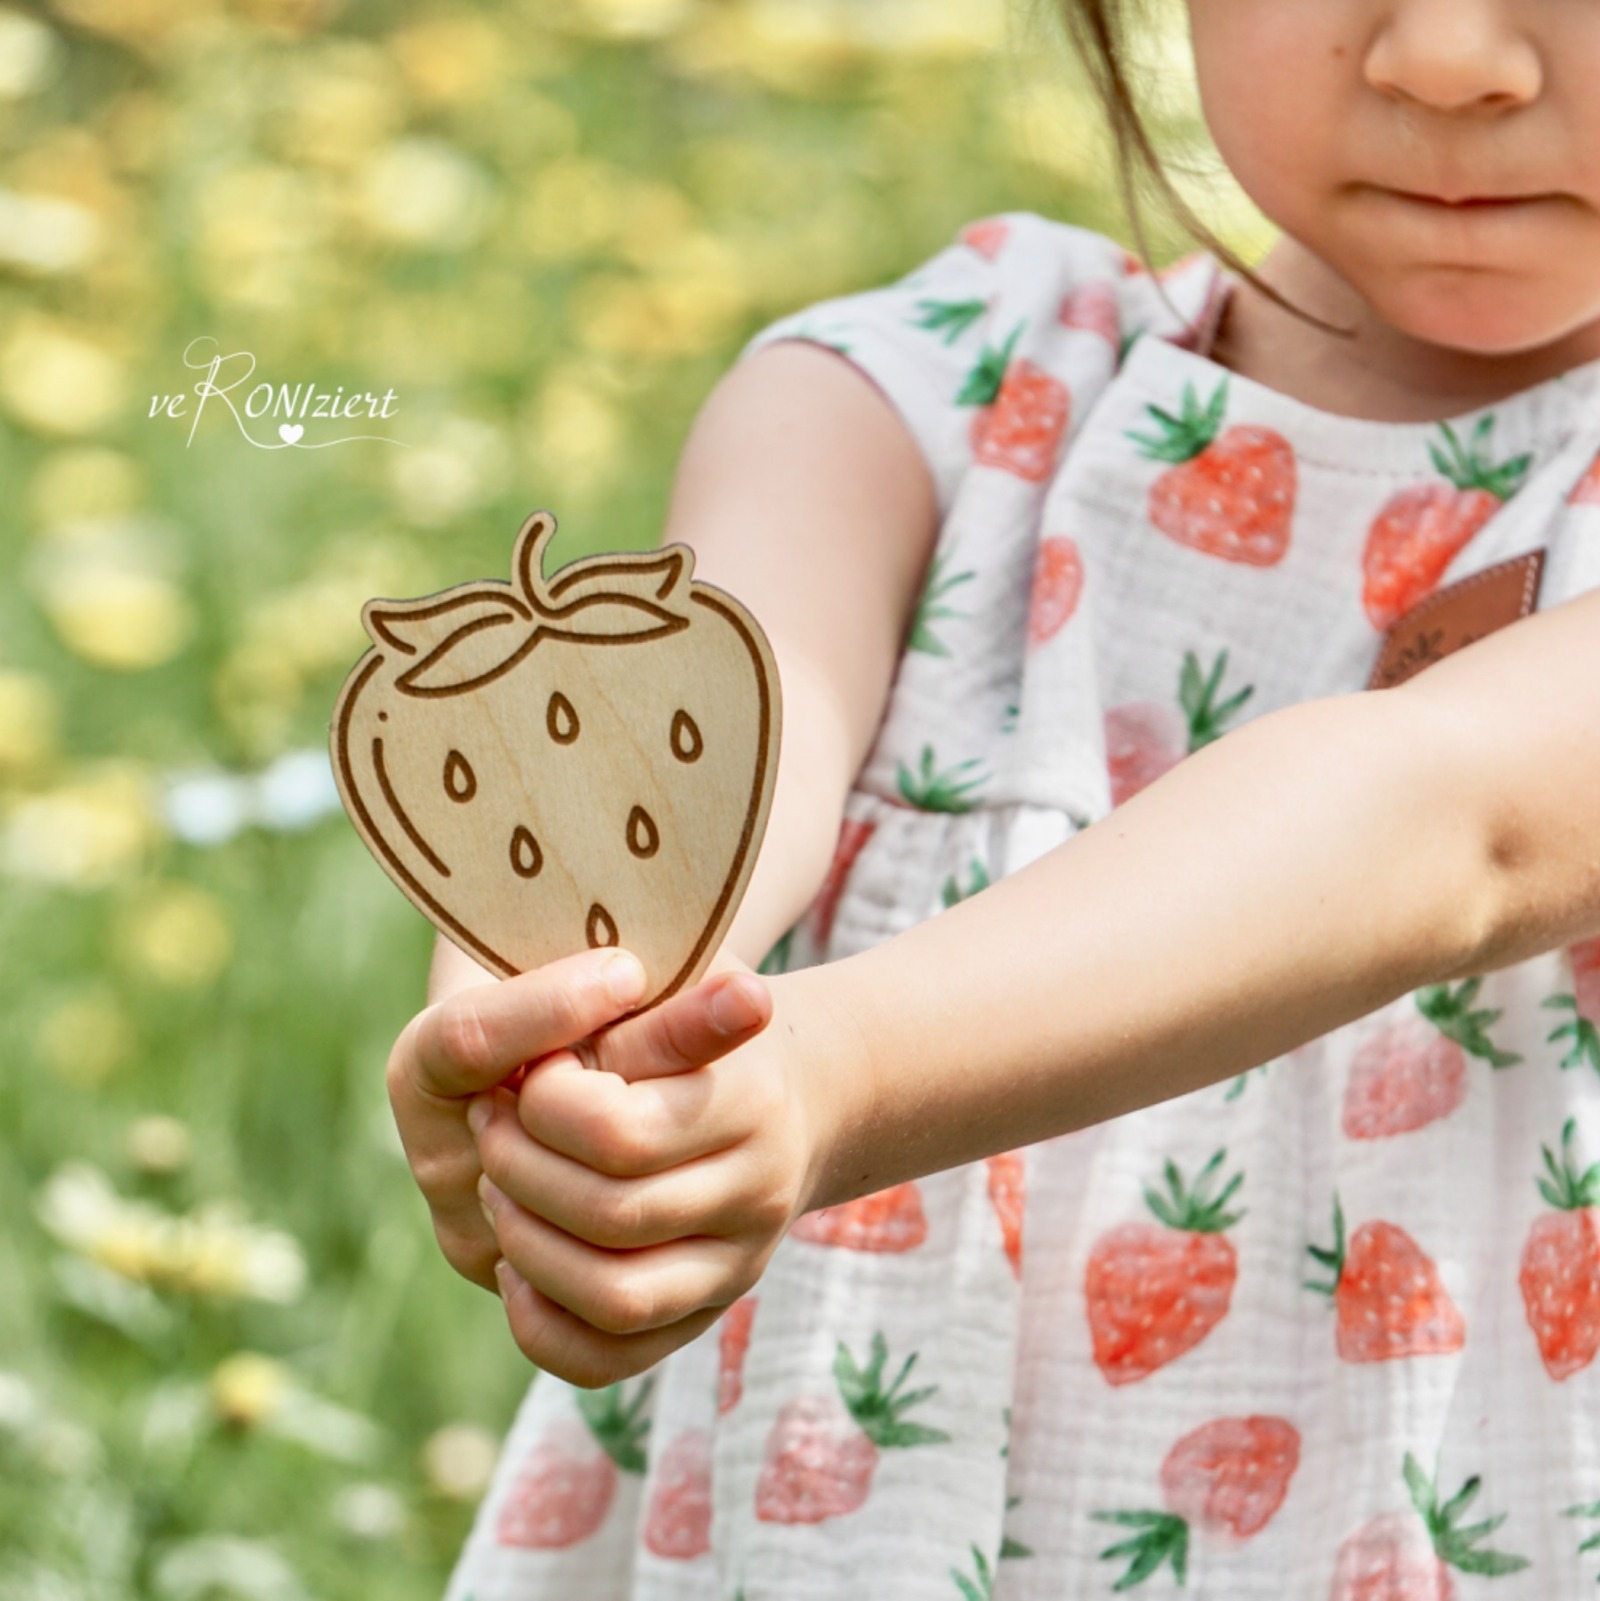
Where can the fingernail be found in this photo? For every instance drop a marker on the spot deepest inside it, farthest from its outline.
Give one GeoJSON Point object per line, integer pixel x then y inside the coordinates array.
{"type": "Point", "coordinates": [625, 978]}
{"type": "Point", "coordinates": [733, 1009]}
{"type": "Point", "coordinates": [490, 1196]}
{"type": "Point", "coordinates": [478, 1114]}
{"type": "Point", "coordinates": [505, 1277]}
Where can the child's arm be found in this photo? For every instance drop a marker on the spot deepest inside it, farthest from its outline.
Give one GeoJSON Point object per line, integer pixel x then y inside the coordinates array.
{"type": "Point", "coordinates": [1294, 876]}
{"type": "Point", "coordinates": [797, 475]}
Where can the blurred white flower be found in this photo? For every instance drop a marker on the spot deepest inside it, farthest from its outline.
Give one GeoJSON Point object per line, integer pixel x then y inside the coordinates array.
{"type": "Point", "coordinates": [212, 1251]}
{"type": "Point", "coordinates": [208, 806]}
{"type": "Point", "coordinates": [29, 716]}
{"type": "Point", "coordinates": [369, 1511]}
{"type": "Point", "coordinates": [459, 1460]}
{"type": "Point", "coordinates": [220, 1564]}
{"type": "Point", "coordinates": [20, 1406]}
{"type": "Point", "coordinates": [84, 833]}
{"type": "Point", "coordinates": [29, 55]}
{"type": "Point", "coordinates": [56, 380]}
{"type": "Point", "coordinates": [158, 1144]}
{"type": "Point", "coordinates": [43, 234]}
{"type": "Point", "coordinates": [461, 465]}
{"type": "Point", "coordinates": [424, 192]}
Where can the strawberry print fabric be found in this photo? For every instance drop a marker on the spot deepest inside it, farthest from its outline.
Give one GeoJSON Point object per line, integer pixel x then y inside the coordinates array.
{"type": "Point", "coordinates": [1329, 1330]}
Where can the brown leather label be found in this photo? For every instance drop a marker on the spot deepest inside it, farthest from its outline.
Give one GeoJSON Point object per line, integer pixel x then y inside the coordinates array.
{"type": "Point", "coordinates": [1453, 617]}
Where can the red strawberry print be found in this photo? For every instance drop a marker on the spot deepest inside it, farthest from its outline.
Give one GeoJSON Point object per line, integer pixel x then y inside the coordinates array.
{"type": "Point", "coordinates": [1092, 308]}
{"type": "Point", "coordinates": [1023, 413]}
{"type": "Point", "coordinates": [1413, 1071]}
{"type": "Point", "coordinates": [1395, 1558]}
{"type": "Point", "coordinates": [567, 1482]}
{"type": "Point", "coordinates": [1007, 1194]}
{"type": "Point", "coordinates": [1226, 1479]}
{"type": "Point", "coordinates": [1155, 1291]}
{"type": "Point", "coordinates": [733, 1341]}
{"type": "Point", "coordinates": [678, 1520]}
{"type": "Point", "coordinates": [1057, 584]}
{"type": "Point", "coordinates": [1418, 533]}
{"type": "Point", "coordinates": [853, 834]}
{"type": "Point", "coordinates": [1586, 492]}
{"type": "Point", "coordinates": [1560, 1275]}
{"type": "Point", "coordinates": [987, 236]}
{"type": "Point", "coordinates": [1144, 740]}
{"type": "Point", "coordinates": [888, 1220]}
{"type": "Point", "coordinates": [1229, 494]}
{"type": "Point", "coordinates": [1389, 1296]}
{"type": "Point", "coordinates": [822, 1451]}
{"type": "Point", "coordinates": [1581, 1031]}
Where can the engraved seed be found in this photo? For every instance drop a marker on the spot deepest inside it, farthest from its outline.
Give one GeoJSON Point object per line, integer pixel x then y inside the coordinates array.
{"type": "Point", "coordinates": [561, 719]}
{"type": "Point", "coordinates": [601, 930]}
{"type": "Point", "coordinates": [460, 782]}
{"type": "Point", "coordinates": [526, 857]}
{"type": "Point", "coordinates": [686, 741]}
{"type": "Point", "coordinates": [643, 840]}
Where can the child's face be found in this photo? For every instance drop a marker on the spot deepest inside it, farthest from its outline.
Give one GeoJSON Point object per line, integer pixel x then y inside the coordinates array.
{"type": "Point", "coordinates": [1442, 156]}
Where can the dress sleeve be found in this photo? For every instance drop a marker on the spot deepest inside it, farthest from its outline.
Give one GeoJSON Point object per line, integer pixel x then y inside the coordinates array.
{"type": "Point", "coordinates": [921, 340]}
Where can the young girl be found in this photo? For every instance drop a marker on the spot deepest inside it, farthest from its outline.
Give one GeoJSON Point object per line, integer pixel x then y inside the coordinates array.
{"type": "Point", "coordinates": [1171, 1156]}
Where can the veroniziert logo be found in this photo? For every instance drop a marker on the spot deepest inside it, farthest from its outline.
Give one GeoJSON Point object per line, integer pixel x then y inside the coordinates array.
{"type": "Point", "coordinates": [257, 407]}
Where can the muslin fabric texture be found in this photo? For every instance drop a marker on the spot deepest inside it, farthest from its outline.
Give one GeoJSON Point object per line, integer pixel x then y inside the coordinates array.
{"type": "Point", "coordinates": [1124, 1373]}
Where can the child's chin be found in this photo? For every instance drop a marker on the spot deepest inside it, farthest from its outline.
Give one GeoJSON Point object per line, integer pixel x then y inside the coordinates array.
{"type": "Point", "coordinates": [1484, 320]}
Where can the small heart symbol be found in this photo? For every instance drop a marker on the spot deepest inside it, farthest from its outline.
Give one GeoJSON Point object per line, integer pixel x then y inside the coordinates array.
{"type": "Point", "coordinates": [290, 432]}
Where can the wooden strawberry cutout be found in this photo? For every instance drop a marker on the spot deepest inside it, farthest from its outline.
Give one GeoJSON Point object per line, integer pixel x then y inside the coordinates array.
{"type": "Point", "coordinates": [1560, 1271]}
{"type": "Point", "coordinates": [548, 765]}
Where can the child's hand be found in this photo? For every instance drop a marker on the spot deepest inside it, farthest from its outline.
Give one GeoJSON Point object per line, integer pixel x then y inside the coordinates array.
{"type": "Point", "coordinates": [634, 1204]}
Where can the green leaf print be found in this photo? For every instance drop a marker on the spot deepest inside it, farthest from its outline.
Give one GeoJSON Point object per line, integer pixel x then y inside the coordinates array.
{"type": "Point", "coordinates": [1450, 1011]}
{"type": "Point", "coordinates": [1587, 1509]}
{"type": "Point", "coordinates": [1197, 696]}
{"type": "Point", "coordinates": [1182, 438]}
{"type": "Point", "coordinates": [952, 892]}
{"type": "Point", "coordinates": [951, 318]}
{"type": "Point", "coordinates": [1162, 1538]}
{"type": "Point", "coordinates": [1467, 467]}
{"type": "Point", "coordinates": [982, 384]}
{"type": "Point", "coordinates": [980, 1589]}
{"type": "Point", "coordinates": [930, 611]}
{"type": "Point", "coordinates": [777, 959]}
{"type": "Point", "coordinates": [878, 1412]}
{"type": "Point", "coordinates": [930, 790]}
{"type": "Point", "coordinates": [1242, 1083]}
{"type": "Point", "coordinates": [1010, 1547]}
{"type": "Point", "coordinates": [619, 1429]}
{"type": "Point", "coordinates": [1452, 1545]}
{"type": "Point", "coordinates": [1585, 1037]}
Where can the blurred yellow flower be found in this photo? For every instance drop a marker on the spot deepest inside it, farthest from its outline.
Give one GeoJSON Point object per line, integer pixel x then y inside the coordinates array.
{"type": "Point", "coordinates": [85, 1038]}
{"type": "Point", "coordinates": [211, 1251]}
{"type": "Point", "coordinates": [158, 1144]}
{"type": "Point", "coordinates": [47, 236]}
{"type": "Point", "coordinates": [177, 934]}
{"type": "Point", "coordinates": [342, 101]}
{"type": "Point", "coordinates": [1061, 133]}
{"type": "Point", "coordinates": [426, 193]}
{"type": "Point", "coordinates": [78, 483]}
{"type": "Point", "coordinates": [460, 464]}
{"type": "Point", "coordinates": [258, 229]}
{"type": "Point", "coordinates": [660, 218]}
{"type": "Point", "coordinates": [29, 54]}
{"type": "Point", "coordinates": [576, 437]}
{"type": "Point", "coordinates": [451, 60]}
{"type": "Point", "coordinates": [57, 380]}
{"type": "Point", "coordinates": [617, 19]}
{"type": "Point", "coordinates": [574, 206]}
{"type": "Point", "coordinates": [87, 832]}
{"type": "Point", "coordinates": [458, 1460]}
{"type": "Point", "coordinates": [247, 1388]}
{"type": "Point", "coordinates": [29, 717]}
{"type": "Point", "coordinates": [120, 619]}
{"type": "Point", "coordinates": [137, 22]}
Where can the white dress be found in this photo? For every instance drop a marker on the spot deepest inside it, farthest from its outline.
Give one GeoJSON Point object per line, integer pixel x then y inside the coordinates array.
{"type": "Point", "coordinates": [1123, 1376]}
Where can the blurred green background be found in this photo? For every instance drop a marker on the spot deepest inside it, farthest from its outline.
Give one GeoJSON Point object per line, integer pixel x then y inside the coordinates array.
{"type": "Point", "coordinates": [232, 1362]}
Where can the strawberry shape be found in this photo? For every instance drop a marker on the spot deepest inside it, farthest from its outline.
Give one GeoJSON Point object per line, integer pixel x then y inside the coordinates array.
{"type": "Point", "coordinates": [1229, 495]}
{"type": "Point", "coordinates": [1007, 1193]}
{"type": "Point", "coordinates": [930, 608]}
{"type": "Point", "coordinates": [567, 1482]}
{"type": "Point", "coordinates": [1420, 530]}
{"type": "Point", "coordinates": [1413, 1071]}
{"type": "Point", "coordinates": [733, 1342]}
{"type": "Point", "coordinates": [1560, 1274]}
{"type": "Point", "coordinates": [987, 236]}
{"type": "Point", "coordinates": [853, 835]}
{"type": "Point", "coordinates": [678, 1519]}
{"type": "Point", "coordinates": [822, 1451]}
{"type": "Point", "coordinates": [1389, 1296]}
{"type": "Point", "coordinates": [1154, 1292]}
{"type": "Point", "coordinates": [545, 766]}
{"type": "Point", "coordinates": [1227, 1478]}
{"type": "Point", "coordinates": [1093, 309]}
{"type": "Point", "coordinates": [890, 1220]}
{"type": "Point", "coordinates": [1057, 584]}
{"type": "Point", "coordinates": [1024, 413]}
{"type": "Point", "coordinates": [1145, 740]}
{"type": "Point", "coordinates": [1582, 1030]}
{"type": "Point", "coordinates": [1393, 1558]}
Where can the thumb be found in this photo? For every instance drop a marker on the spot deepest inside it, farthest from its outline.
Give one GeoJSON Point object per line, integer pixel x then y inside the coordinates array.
{"type": "Point", "coordinates": [687, 1031]}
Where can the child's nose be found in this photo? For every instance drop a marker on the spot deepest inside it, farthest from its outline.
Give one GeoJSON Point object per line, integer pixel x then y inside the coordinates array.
{"type": "Point", "coordinates": [1456, 55]}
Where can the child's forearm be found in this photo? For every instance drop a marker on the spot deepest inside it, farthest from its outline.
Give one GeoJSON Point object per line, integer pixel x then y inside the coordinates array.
{"type": "Point", "coordinates": [1340, 865]}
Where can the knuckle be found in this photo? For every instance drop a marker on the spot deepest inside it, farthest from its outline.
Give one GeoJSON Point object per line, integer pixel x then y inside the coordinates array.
{"type": "Point", "coordinates": [443, 1177]}
{"type": "Point", "coordinates": [460, 1037]}
{"type": "Point", "coordinates": [623, 1306]}
{"type": "Point", "coordinates": [620, 1150]}
{"type": "Point", "coordinates": [617, 1215]}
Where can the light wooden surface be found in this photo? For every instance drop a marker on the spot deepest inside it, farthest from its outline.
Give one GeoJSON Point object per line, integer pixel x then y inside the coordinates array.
{"type": "Point", "coordinates": [548, 765]}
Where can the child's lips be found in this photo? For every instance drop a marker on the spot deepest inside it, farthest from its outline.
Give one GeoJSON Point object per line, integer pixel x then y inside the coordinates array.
{"type": "Point", "coordinates": [1468, 202]}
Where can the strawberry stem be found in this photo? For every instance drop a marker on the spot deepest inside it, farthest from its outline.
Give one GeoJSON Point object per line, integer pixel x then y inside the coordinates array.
{"type": "Point", "coordinates": [1566, 1189]}
{"type": "Point", "coordinates": [1163, 1538]}
{"type": "Point", "coordinates": [1580, 1030]}
{"type": "Point", "coordinates": [983, 383]}
{"type": "Point", "coordinates": [1195, 1210]}
{"type": "Point", "coordinates": [1467, 467]}
{"type": "Point", "coordinates": [1332, 1260]}
{"type": "Point", "coordinates": [1182, 438]}
{"type": "Point", "coordinates": [1450, 1012]}
{"type": "Point", "coordinates": [620, 1430]}
{"type": "Point", "coordinates": [1453, 1545]}
{"type": "Point", "coordinates": [1197, 696]}
{"type": "Point", "coordinates": [878, 1412]}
